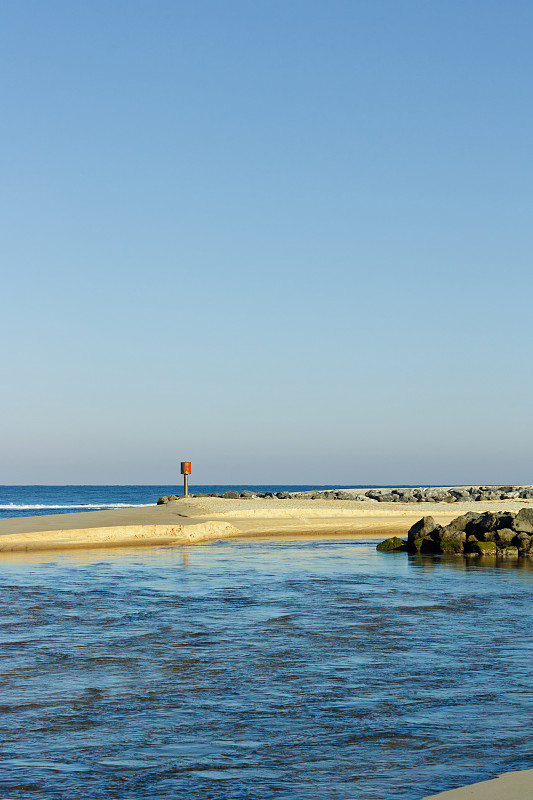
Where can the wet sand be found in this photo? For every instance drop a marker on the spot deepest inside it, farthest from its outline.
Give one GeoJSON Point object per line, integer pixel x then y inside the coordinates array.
{"type": "Point", "coordinates": [509, 786]}
{"type": "Point", "coordinates": [190, 520]}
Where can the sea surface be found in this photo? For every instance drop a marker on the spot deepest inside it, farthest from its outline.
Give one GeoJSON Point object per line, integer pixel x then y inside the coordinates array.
{"type": "Point", "coordinates": [22, 501]}
{"type": "Point", "coordinates": [309, 669]}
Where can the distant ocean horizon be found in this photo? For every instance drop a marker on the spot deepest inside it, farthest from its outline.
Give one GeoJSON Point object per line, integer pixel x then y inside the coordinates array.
{"type": "Point", "coordinates": [37, 500]}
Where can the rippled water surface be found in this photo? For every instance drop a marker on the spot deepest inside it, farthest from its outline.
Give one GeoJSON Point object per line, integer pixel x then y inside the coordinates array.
{"type": "Point", "coordinates": [261, 669]}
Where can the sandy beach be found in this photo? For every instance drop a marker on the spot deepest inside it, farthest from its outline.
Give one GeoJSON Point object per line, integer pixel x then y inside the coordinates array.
{"type": "Point", "coordinates": [509, 786]}
{"type": "Point", "coordinates": [190, 520]}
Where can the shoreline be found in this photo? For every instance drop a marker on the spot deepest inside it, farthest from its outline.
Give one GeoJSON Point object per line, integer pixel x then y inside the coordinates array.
{"type": "Point", "coordinates": [200, 519]}
{"type": "Point", "coordinates": [517, 785]}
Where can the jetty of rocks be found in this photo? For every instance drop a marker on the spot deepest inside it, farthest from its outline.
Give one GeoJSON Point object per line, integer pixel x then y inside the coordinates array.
{"type": "Point", "coordinates": [502, 534]}
{"type": "Point", "coordinates": [422, 494]}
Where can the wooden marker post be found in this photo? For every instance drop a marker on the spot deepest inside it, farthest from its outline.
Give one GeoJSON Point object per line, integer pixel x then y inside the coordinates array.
{"type": "Point", "coordinates": [185, 471]}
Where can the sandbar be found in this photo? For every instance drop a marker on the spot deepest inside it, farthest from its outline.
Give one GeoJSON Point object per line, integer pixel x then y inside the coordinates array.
{"type": "Point", "coordinates": [509, 786]}
{"type": "Point", "coordinates": [190, 520]}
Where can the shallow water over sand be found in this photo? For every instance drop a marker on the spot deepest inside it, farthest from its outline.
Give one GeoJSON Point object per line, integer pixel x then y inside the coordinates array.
{"type": "Point", "coordinates": [261, 669]}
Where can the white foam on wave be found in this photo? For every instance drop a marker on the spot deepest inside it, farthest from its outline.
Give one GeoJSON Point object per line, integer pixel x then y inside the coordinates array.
{"type": "Point", "coordinates": [86, 506]}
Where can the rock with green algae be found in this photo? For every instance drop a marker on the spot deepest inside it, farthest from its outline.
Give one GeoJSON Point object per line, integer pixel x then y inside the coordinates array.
{"type": "Point", "coordinates": [424, 545]}
{"type": "Point", "coordinates": [451, 547]}
{"type": "Point", "coordinates": [483, 548]}
{"type": "Point", "coordinates": [391, 545]}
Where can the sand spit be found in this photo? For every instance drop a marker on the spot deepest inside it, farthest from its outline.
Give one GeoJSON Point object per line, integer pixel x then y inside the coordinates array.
{"type": "Point", "coordinates": [115, 536]}
{"type": "Point", "coordinates": [190, 520]}
{"type": "Point", "coordinates": [510, 785]}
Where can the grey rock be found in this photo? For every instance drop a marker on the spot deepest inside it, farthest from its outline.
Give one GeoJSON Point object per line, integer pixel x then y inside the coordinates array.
{"type": "Point", "coordinates": [405, 495]}
{"type": "Point", "coordinates": [450, 535]}
{"type": "Point", "coordinates": [387, 497]}
{"type": "Point", "coordinates": [523, 522]}
{"type": "Point", "coordinates": [488, 521]}
{"type": "Point", "coordinates": [247, 493]}
{"type": "Point", "coordinates": [505, 537]}
{"type": "Point", "coordinates": [505, 519]}
{"type": "Point", "coordinates": [460, 494]}
{"type": "Point", "coordinates": [283, 495]}
{"type": "Point", "coordinates": [424, 527]}
{"type": "Point", "coordinates": [523, 542]}
{"type": "Point", "coordinates": [231, 494]}
{"type": "Point", "coordinates": [167, 498]}
{"type": "Point", "coordinates": [465, 522]}
{"type": "Point", "coordinates": [439, 496]}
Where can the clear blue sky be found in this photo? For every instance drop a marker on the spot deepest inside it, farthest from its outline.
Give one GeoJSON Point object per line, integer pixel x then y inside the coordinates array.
{"type": "Point", "coordinates": [289, 240]}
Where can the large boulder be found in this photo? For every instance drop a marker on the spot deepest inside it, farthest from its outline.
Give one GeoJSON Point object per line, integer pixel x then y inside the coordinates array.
{"type": "Point", "coordinates": [427, 546]}
{"type": "Point", "coordinates": [421, 529]}
{"type": "Point", "coordinates": [387, 497]}
{"type": "Point", "coordinates": [523, 542]}
{"type": "Point", "coordinates": [464, 522]}
{"type": "Point", "coordinates": [505, 538]}
{"type": "Point", "coordinates": [231, 494]}
{"type": "Point", "coordinates": [450, 535]}
{"type": "Point", "coordinates": [341, 495]}
{"type": "Point", "coordinates": [404, 495]}
{"type": "Point", "coordinates": [167, 498]}
{"type": "Point", "coordinates": [391, 545]}
{"type": "Point", "coordinates": [483, 525]}
{"type": "Point", "coordinates": [438, 496]}
{"type": "Point", "coordinates": [482, 548]}
{"type": "Point", "coordinates": [451, 547]}
{"type": "Point", "coordinates": [523, 522]}
{"type": "Point", "coordinates": [460, 494]}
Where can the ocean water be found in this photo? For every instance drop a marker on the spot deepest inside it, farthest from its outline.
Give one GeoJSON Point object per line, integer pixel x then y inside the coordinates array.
{"type": "Point", "coordinates": [258, 669]}
{"type": "Point", "coordinates": [21, 501]}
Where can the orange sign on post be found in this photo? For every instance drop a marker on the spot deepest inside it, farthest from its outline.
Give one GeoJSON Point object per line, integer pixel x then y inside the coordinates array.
{"type": "Point", "coordinates": [185, 471]}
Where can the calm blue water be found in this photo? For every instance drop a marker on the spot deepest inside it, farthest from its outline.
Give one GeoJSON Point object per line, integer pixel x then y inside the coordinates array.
{"type": "Point", "coordinates": [21, 501]}
{"type": "Point", "coordinates": [250, 670]}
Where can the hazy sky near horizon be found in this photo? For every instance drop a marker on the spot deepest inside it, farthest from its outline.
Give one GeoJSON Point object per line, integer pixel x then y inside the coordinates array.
{"type": "Point", "coordinates": [289, 241]}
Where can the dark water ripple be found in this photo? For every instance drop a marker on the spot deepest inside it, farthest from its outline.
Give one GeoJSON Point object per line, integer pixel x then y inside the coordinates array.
{"type": "Point", "coordinates": [261, 669]}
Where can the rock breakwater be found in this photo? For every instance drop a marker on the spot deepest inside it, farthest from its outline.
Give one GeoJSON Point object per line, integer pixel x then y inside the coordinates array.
{"type": "Point", "coordinates": [501, 534]}
{"type": "Point", "coordinates": [457, 494]}
{"type": "Point", "coordinates": [424, 494]}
